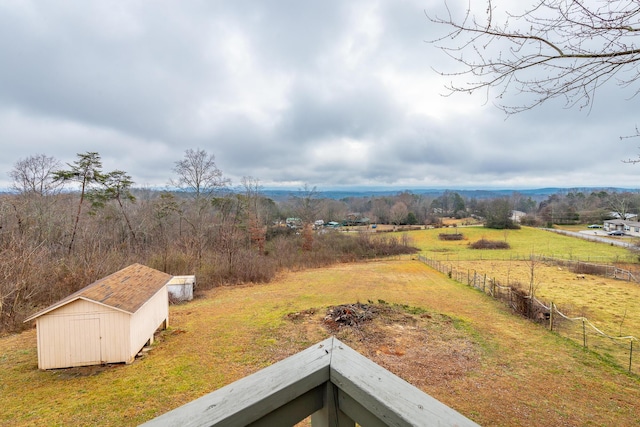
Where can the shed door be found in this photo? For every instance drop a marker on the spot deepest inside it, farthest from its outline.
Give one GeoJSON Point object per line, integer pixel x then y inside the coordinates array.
{"type": "Point", "coordinates": [84, 341]}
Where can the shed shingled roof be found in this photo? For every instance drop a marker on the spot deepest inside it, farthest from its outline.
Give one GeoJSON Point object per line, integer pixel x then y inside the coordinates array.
{"type": "Point", "coordinates": [126, 290]}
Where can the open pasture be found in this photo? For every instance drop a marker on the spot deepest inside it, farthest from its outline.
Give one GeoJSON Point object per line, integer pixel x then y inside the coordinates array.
{"type": "Point", "coordinates": [522, 242]}
{"type": "Point", "coordinates": [612, 306]}
{"type": "Point", "coordinates": [516, 373]}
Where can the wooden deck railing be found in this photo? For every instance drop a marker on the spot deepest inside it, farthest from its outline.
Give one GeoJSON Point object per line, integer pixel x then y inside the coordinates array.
{"type": "Point", "coordinates": [330, 382]}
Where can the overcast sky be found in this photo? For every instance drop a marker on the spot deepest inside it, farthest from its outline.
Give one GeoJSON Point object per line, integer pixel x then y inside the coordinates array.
{"type": "Point", "coordinates": [328, 93]}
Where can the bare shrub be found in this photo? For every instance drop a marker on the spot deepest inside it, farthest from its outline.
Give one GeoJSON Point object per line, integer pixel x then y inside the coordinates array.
{"type": "Point", "coordinates": [489, 244]}
{"type": "Point", "coordinates": [409, 228]}
{"type": "Point", "coordinates": [367, 246]}
{"type": "Point", "coordinates": [172, 261]}
{"type": "Point", "coordinates": [247, 267]}
{"type": "Point", "coordinates": [531, 221]}
{"type": "Point", "coordinates": [450, 236]}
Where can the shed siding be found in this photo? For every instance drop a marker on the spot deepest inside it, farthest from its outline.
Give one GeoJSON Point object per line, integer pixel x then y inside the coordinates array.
{"type": "Point", "coordinates": [147, 319]}
{"type": "Point", "coordinates": [84, 342]}
{"type": "Point", "coordinates": [181, 287]}
{"type": "Point", "coordinates": [182, 292]}
{"type": "Point", "coordinates": [82, 333]}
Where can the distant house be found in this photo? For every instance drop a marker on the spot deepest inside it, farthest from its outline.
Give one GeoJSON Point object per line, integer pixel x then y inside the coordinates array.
{"type": "Point", "coordinates": [108, 321]}
{"type": "Point", "coordinates": [180, 288]}
{"type": "Point", "coordinates": [632, 228]}
{"type": "Point", "coordinates": [516, 216]}
{"type": "Point", "coordinates": [627, 216]}
{"type": "Point", "coordinates": [355, 218]}
{"type": "Point", "coordinates": [293, 222]}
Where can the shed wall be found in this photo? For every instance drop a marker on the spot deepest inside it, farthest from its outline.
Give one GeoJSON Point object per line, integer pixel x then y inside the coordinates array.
{"type": "Point", "coordinates": [148, 319]}
{"type": "Point", "coordinates": [82, 333]}
{"type": "Point", "coordinates": [181, 292]}
{"type": "Point", "coordinates": [181, 287]}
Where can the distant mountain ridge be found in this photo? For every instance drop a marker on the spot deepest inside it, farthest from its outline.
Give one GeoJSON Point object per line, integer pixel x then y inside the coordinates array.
{"type": "Point", "coordinates": [537, 194]}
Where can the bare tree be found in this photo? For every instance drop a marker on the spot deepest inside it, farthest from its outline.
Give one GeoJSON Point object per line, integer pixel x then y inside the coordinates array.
{"type": "Point", "coordinates": [381, 210]}
{"type": "Point", "coordinates": [35, 175]}
{"type": "Point", "coordinates": [306, 203]}
{"type": "Point", "coordinates": [399, 213]}
{"type": "Point", "coordinates": [198, 174]}
{"type": "Point", "coordinates": [256, 226]}
{"type": "Point", "coordinates": [620, 203]}
{"type": "Point", "coordinates": [554, 49]}
{"type": "Point", "coordinates": [252, 190]}
{"type": "Point", "coordinates": [34, 180]}
{"type": "Point", "coordinates": [164, 208]}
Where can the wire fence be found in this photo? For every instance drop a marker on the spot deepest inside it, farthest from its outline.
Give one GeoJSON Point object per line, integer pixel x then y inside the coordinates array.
{"type": "Point", "coordinates": [618, 350]}
{"type": "Point", "coordinates": [582, 267]}
{"type": "Point", "coordinates": [525, 256]}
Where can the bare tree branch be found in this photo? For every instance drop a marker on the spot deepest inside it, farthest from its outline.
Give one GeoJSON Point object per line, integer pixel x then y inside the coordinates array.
{"type": "Point", "coordinates": [563, 49]}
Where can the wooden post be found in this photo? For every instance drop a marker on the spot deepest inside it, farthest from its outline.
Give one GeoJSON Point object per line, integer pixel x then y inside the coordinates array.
{"type": "Point", "coordinates": [330, 415]}
{"type": "Point", "coordinates": [584, 334]}
{"type": "Point", "coordinates": [551, 317]}
{"type": "Point", "coordinates": [484, 284]}
{"type": "Point", "coordinates": [630, 354]}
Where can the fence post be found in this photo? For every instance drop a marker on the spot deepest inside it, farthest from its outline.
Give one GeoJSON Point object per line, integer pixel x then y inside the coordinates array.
{"type": "Point", "coordinates": [551, 317]}
{"type": "Point", "coordinates": [630, 354]}
{"type": "Point", "coordinates": [468, 276]}
{"type": "Point", "coordinates": [584, 334]}
{"type": "Point", "coordinates": [484, 284]}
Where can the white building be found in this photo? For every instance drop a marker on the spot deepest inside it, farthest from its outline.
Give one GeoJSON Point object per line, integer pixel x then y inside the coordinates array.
{"type": "Point", "coordinates": [180, 288]}
{"type": "Point", "coordinates": [632, 228]}
{"type": "Point", "coordinates": [108, 321]}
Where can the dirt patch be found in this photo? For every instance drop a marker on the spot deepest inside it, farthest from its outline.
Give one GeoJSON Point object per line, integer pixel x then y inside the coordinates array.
{"type": "Point", "coordinates": [421, 347]}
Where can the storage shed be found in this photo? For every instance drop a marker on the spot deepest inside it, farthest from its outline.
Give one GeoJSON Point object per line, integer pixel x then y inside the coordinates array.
{"type": "Point", "coordinates": [108, 321]}
{"type": "Point", "coordinates": [180, 288]}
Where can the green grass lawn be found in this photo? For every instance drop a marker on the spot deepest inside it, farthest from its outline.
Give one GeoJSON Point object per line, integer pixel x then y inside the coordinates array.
{"type": "Point", "coordinates": [523, 243]}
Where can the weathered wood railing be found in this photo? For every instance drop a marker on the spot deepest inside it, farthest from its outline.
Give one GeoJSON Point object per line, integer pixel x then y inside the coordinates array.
{"type": "Point", "coordinates": [330, 382]}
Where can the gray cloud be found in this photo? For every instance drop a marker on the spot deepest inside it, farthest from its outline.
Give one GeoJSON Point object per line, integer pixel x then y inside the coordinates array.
{"type": "Point", "coordinates": [326, 93]}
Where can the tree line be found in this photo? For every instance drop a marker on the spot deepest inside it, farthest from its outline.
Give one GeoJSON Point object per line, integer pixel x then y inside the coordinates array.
{"type": "Point", "coordinates": [64, 226]}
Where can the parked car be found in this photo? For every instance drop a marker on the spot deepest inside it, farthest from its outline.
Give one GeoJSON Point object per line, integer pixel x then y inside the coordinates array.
{"type": "Point", "coordinates": [594, 226]}
{"type": "Point", "coordinates": [617, 233]}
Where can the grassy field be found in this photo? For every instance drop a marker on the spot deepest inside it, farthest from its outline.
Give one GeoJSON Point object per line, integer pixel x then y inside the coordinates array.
{"type": "Point", "coordinates": [613, 306]}
{"type": "Point", "coordinates": [522, 242]}
{"type": "Point", "coordinates": [522, 374]}
{"type": "Point", "coordinates": [615, 303]}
